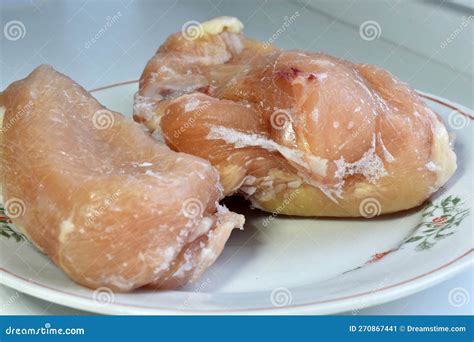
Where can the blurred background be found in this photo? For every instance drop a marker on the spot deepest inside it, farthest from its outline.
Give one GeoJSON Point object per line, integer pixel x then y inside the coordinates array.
{"type": "Point", "coordinates": [426, 43]}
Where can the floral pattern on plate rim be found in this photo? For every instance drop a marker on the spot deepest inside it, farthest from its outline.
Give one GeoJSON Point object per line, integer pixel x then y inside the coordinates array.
{"type": "Point", "coordinates": [7, 229]}
{"type": "Point", "coordinates": [439, 221]}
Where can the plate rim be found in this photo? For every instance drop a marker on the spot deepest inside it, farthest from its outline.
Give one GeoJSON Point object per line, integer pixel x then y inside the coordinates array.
{"type": "Point", "coordinates": [334, 305]}
{"type": "Point", "coordinates": [339, 305]}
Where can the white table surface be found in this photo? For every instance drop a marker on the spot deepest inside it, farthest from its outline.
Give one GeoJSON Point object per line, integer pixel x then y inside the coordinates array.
{"type": "Point", "coordinates": [426, 43]}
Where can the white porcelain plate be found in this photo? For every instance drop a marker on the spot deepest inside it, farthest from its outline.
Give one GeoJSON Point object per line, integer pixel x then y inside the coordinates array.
{"type": "Point", "coordinates": [292, 265]}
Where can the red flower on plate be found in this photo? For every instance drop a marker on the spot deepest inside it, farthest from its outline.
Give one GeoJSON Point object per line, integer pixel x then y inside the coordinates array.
{"type": "Point", "coordinates": [5, 218]}
{"type": "Point", "coordinates": [439, 221]}
{"type": "Point", "coordinates": [378, 256]}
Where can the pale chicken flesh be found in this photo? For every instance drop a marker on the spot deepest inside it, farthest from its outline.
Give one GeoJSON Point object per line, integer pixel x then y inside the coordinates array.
{"type": "Point", "coordinates": [103, 200]}
{"type": "Point", "coordinates": [296, 132]}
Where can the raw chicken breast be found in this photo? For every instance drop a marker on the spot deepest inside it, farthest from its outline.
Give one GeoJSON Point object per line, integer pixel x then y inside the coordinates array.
{"type": "Point", "coordinates": [298, 133]}
{"type": "Point", "coordinates": [105, 202]}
